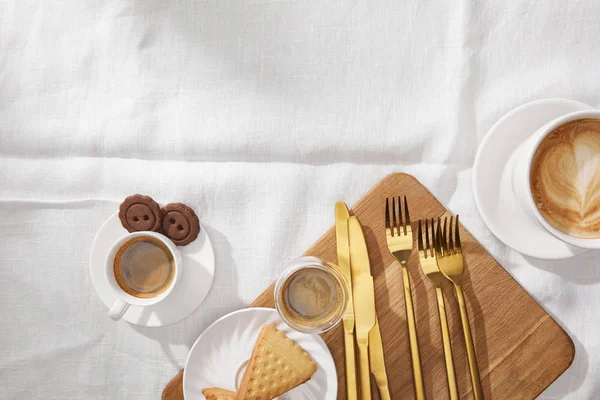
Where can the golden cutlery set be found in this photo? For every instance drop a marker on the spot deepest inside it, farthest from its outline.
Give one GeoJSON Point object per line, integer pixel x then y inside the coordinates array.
{"type": "Point", "coordinates": [430, 342]}
{"type": "Point", "coordinates": [441, 257]}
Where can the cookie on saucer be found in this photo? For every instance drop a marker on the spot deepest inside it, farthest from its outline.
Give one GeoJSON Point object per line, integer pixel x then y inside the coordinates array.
{"type": "Point", "coordinates": [180, 223]}
{"type": "Point", "coordinates": [140, 213]}
{"type": "Point", "coordinates": [277, 365]}
{"type": "Point", "coordinates": [218, 394]}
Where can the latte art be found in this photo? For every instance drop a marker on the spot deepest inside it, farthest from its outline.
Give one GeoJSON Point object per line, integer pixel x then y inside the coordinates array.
{"type": "Point", "coordinates": [565, 178]}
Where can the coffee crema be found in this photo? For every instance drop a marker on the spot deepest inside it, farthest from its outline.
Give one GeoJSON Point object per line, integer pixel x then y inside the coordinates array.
{"type": "Point", "coordinates": [311, 297]}
{"type": "Point", "coordinates": [144, 267]}
{"type": "Point", "coordinates": [565, 178]}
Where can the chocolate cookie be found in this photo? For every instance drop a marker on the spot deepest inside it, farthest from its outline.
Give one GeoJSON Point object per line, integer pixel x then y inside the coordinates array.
{"type": "Point", "coordinates": [140, 213]}
{"type": "Point", "coordinates": [180, 223]}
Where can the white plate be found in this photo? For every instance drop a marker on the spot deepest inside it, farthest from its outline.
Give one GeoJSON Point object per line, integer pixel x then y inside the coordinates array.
{"type": "Point", "coordinates": [219, 356]}
{"type": "Point", "coordinates": [196, 278]}
{"type": "Point", "coordinates": [492, 180]}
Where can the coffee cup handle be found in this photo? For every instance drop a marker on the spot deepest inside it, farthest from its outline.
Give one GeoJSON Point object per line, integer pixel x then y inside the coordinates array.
{"type": "Point", "coordinates": [118, 309]}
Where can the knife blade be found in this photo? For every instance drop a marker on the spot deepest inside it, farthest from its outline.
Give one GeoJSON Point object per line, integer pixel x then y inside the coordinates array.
{"type": "Point", "coordinates": [364, 310]}
{"type": "Point", "coordinates": [343, 255]}
{"type": "Point", "coordinates": [359, 256]}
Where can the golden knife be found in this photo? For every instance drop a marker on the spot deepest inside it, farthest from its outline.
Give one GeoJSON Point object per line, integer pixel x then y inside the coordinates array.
{"type": "Point", "coordinates": [343, 255]}
{"type": "Point", "coordinates": [377, 361]}
{"type": "Point", "coordinates": [364, 310]}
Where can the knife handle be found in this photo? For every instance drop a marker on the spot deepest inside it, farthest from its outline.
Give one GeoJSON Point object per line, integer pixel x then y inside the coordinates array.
{"type": "Point", "coordinates": [351, 387]}
{"type": "Point", "coordinates": [365, 373]}
{"type": "Point", "coordinates": [412, 335]}
{"type": "Point", "coordinates": [452, 386]}
{"type": "Point", "coordinates": [384, 390]}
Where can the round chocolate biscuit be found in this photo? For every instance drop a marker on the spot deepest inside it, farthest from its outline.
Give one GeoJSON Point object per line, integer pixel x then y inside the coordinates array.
{"type": "Point", "coordinates": [180, 223]}
{"type": "Point", "coordinates": [140, 213]}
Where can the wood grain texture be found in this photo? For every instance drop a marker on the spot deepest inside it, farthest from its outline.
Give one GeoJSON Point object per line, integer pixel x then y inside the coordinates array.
{"type": "Point", "coordinates": [521, 350]}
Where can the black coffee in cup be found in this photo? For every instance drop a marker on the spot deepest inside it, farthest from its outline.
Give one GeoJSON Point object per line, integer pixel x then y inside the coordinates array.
{"type": "Point", "coordinates": [144, 267]}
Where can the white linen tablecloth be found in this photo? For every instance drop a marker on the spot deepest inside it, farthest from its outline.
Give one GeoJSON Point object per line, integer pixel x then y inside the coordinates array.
{"type": "Point", "coordinates": [260, 114]}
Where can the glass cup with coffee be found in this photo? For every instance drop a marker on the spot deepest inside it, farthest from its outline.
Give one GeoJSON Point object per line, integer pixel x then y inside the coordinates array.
{"type": "Point", "coordinates": [310, 296]}
{"type": "Point", "coordinates": [142, 268]}
{"type": "Point", "coordinates": [556, 178]}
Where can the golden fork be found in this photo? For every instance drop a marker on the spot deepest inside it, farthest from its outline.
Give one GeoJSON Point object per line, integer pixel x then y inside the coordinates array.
{"type": "Point", "coordinates": [398, 233]}
{"type": "Point", "coordinates": [430, 269]}
{"type": "Point", "coordinates": [451, 263]}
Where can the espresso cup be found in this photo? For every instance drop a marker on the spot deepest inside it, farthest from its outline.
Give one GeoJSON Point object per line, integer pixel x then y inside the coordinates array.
{"type": "Point", "coordinates": [142, 269]}
{"type": "Point", "coordinates": [523, 170]}
{"type": "Point", "coordinates": [310, 296]}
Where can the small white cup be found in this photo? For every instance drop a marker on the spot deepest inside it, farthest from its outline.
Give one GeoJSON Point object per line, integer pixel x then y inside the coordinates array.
{"type": "Point", "coordinates": [521, 176]}
{"type": "Point", "coordinates": [124, 299]}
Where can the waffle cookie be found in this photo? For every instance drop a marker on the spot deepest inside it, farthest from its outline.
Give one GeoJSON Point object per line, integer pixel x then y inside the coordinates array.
{"type": "Point", "coordinates": [218, 394]}
{"type": "Point", "coordinates": [277, 365]}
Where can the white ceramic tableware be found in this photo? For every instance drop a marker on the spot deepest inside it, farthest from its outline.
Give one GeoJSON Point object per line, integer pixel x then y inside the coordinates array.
{"type": "Point", "coordinates": [124, 299]}
{"type": "Point", "coordinates": [493, 180]}
{"type": "Point", "coordinates": [221, 353]}
{"type": "Point", "coordinates": [197, 277]}
{"type": "Point", "coordinates": [521, 179]}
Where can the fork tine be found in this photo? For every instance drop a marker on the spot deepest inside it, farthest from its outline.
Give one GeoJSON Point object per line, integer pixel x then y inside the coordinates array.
{"type": "Point", "coordinates": [432, 238]}
{"type": "Point", "coordinates": [450, 241]}
{"type": "Point", "coordinates": [387, 213]}
{"type": "Point", "coordinates": [445, 237]}
{"type": "Point", "coordinates": [406, 215]}
{"type": "Point", "coordinates": [394, 225]}
{"type": "Point", "coordinates": [428, 248]}
{"type": "Point", "coordinates": [420, 238]}
{"type": "Point", "coordinates": [438, 239]}
{"type": "Point", "coordinates": [400, 221]}
{"type": "Point", "coordinates": [458, 246]}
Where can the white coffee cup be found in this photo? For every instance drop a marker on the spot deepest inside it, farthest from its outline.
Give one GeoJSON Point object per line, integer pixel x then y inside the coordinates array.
{"type": "Point", "coordinates": [521, 177]}
{"type": "Point", "coordinates": [124, 299]}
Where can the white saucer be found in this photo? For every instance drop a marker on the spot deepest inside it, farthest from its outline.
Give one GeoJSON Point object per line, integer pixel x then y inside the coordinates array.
{"type": "Point", "coordinates": [492, 180]}
{"type": "Point", "coordinates": [220, 355]}
{"type": "Point", "coordinates": [196, 278]}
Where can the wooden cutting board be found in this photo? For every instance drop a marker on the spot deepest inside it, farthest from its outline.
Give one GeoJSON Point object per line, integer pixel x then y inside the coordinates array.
{"type": "Point", "coordinates": [521, 350]}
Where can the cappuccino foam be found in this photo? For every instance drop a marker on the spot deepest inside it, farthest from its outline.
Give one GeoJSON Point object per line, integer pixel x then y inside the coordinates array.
{"type": "Point", "coordinates": [565, 178]}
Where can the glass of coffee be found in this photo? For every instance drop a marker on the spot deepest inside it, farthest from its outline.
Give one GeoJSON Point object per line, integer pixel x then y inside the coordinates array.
{"type": "Point", "coordinates": [310, 296]}
{"type": "Point", "coordinates": [142, 268]}
{"type": "Point", "coordinates": [557, 178]}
